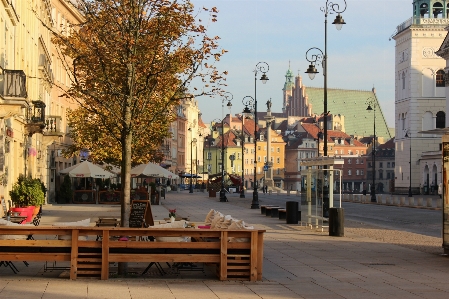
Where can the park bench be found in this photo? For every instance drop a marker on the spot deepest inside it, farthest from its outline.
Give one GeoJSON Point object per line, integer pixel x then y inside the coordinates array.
{"type": "Point", "coordinates": [90, 258]}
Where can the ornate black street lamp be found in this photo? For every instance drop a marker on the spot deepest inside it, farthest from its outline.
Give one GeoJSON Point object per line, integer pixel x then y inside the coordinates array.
{"type": "Point", "coordinates": [223, 197]}
{"type": "Point", "coordinates": [262, 67]}
{"type": "Point", "coordinates": [316, 59]}
{"type": "Point", "coordinates": [247, 101]}
{"type": "Point", "coordinates": [372, 105]}
{"type": "Point", "coordinates": [191, 164]}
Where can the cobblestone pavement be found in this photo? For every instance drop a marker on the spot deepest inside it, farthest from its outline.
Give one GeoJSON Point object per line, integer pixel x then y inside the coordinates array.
{"type": "Point", "coordinates": [299, 262]}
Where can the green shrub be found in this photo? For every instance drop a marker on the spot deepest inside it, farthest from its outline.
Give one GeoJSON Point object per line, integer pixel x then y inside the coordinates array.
{"type": "Point", "coordinates": [28, 192]}
{"type": "Point", "coordinates": [65, 190]}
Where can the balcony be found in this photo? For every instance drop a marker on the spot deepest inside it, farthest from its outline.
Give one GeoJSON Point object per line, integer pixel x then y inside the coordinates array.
{"type": "Point", "coordinates": [13, 85]}
{"type": "Point", "coordinates": [53, 126]}
{"type": "Point", "coordinates": [35, 117]}
{"type": "Point", "coordinates": [420, 21]}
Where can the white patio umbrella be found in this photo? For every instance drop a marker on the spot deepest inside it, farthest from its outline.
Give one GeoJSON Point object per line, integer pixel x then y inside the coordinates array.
{"type": "Point", "coordinates": [152, 170]}
{"type": "Point", "coordinates": [86, 169]}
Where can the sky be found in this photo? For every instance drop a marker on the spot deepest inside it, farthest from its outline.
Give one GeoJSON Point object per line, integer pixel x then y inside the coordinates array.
{"type": "Point", "coordinates": [360, 55]}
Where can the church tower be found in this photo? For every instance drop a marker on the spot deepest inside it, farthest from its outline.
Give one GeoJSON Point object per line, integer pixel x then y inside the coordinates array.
{"type": "Point", "coordinates": [289, 85]}
{"type": "Point", "coordinates": [419, 96]}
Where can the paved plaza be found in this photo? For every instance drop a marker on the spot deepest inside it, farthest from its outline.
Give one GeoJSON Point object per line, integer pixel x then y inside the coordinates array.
{"type": "Point", "coordinates": [299, 262]}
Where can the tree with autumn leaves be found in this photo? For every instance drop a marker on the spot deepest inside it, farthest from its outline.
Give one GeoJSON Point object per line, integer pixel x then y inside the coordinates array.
{"type": "Point", "coordinates": [130, 62]}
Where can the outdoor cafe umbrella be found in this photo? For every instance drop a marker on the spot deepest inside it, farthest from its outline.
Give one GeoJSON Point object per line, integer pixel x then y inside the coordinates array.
{"type": "Point", "coordinates": [152, 170]}
{"type": "Point", "coordinates": [86, 169]}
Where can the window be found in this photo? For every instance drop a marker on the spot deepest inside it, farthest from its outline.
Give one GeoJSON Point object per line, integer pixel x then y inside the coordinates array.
{"type": "Point", "coordinates": [278, 150]}
{"type": "Point", "coordinates": [349, 161]}
{"type": "Point", "coordinates": [440, 79]}
{"type": "Point", "coordinates": [349, 152]}
{"type": "Point", "coordinates": [265, 148]}
{"type": "Point", "coordinates": [356, 152]}
{"type": "Point", "coordinates": [388, 175]}
{"type": "Point", "coordinates": [258, 159]}
{"type": "Point", "coordinates": [361, 152]}
{"type": "Point", "coordinates": [441, 119]}
{"type": "Point", "coordinates": [265, 159]}
{"type": "Point", "coordinates": [238, 156]}
{"type": "Point", "coordinates": [357, 161]}
{"type": "Point", "coordinates": [278, 160]}
{"type": "Point", "coordinates": [271, 159]}
{"type": "Point", "coordinates": [361, 161]}
{"type": "Point", "coordinates": [361, 172]}
{"type": "Point", "coordinates": [349, 172]}
{"type": "Point", "coordinates": [209, 156]}
{"type": "Point", "coordinates": [258, 148]}
{"type": "Point", "coordinates": [392, 164]}
{"type": "Point", "coordinates": [272, 149]}
{"type": "Point", "coordinates": [388, 164]}
{"type": "Point", "coordinates": [357, 172]}
{"type": "Point", "coordinates": [381, 164]}
{"type": "Point", "coordinates": [403, 80]}
{"type": "Point", "coordinates": [381, 174]}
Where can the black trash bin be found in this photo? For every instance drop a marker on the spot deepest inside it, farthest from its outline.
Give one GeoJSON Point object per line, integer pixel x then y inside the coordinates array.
{"type": "Point", "coordinates": [336, 222]}
{"type": "Point", "coordinates": [291, 211]}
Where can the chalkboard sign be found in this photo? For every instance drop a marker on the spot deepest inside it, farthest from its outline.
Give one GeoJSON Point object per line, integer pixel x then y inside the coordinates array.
{"type": "Point", "coordinates": [141, 214]}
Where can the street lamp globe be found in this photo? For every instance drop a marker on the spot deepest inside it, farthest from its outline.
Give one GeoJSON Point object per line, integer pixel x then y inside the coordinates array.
{"type": "Point", "coordinates": [312, 71]}
{"type": "Point", "coordinates": [338, 22]}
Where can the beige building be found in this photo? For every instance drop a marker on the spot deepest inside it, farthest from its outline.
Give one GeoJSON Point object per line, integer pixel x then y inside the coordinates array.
{"type": "Point", "coordinates": [33, 115]}
{"type": "Point", "coordinates": [420, 102]}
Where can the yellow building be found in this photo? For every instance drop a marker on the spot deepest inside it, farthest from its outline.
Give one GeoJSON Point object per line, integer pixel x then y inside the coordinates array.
{"type": "Point", "coordinates": [31, 110]}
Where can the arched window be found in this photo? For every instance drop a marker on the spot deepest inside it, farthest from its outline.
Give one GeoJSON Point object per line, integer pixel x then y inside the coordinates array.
{"type": "Point", "coordinates": [440, 79]}
{"type": "Point", "coordinates": [441, 120]}
{"type": "Point", "coordinates": [437, 10]}
{"type": "Point", "coordinates": [423, 10]}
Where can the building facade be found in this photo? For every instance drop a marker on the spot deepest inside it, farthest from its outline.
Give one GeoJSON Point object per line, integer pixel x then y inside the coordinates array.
{"type": "Point", "coordinates": [420, 103]}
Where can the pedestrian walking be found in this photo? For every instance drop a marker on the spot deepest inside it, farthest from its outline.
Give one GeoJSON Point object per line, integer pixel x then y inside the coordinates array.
{"type": "Point", "coordinates": [440, 189]}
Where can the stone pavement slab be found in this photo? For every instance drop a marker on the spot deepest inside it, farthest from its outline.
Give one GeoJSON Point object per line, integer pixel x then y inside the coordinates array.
{"type": "Point", "coordinates": [299, 262]}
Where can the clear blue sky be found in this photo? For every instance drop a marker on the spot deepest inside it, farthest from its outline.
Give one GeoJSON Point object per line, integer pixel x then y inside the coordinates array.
{"type": "Point", "coordinates": [360, 56]}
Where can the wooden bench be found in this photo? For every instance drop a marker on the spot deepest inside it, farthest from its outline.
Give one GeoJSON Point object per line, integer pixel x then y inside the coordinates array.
{"type": "Point", "coordinates": [263, 208]}
{"type": "Point", "coordinates": [269, 210]}
{"type": "Point", "coordinates": [242, 260]}
{"type": "Point", "coordinates": [282, 213]}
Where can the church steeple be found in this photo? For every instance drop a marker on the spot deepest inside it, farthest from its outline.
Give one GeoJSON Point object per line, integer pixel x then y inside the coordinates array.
{"type": "Point", "coordinates": [433, 9]}
{"type": "Point", "coordinates": [289, 82]}
{"type": "Point", "coordinates": [288, 87]}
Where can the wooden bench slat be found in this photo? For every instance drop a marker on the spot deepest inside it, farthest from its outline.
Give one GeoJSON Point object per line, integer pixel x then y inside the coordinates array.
{"type": "Point", "coordinates": [200, 258]}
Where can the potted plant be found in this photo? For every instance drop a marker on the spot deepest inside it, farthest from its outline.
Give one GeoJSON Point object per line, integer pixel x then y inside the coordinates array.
{"type": "Point", "coordinates": [27, 195]}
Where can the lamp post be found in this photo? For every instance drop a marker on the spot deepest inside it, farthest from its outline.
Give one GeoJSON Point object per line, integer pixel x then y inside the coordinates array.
{"type": "Point", "coordinates": [242, 188]}
{"type": "Point", "coordinates": [262, 67]}
{"type": "Point", "coordinates": [209, 158]}
{"type": "Point", "coordinates": [321, 57]}
{"type": "Point", "coordinates": [247, 101]}
{"type": "Point", "coordinates": [319, 136]}
{"type": "Point", "coordinates": [371, 101]}
{"type": "Point", "coordinates": [223, 197]}
{"type": "Point", "coordinates": [407, 135]}
{"type": "Point", "coordinates": [191, 164]}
